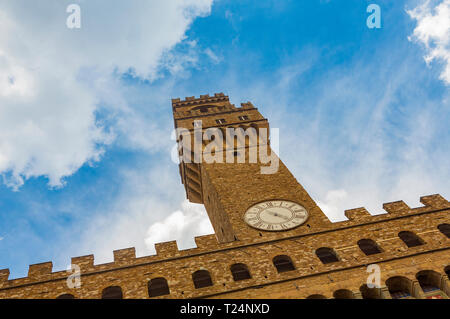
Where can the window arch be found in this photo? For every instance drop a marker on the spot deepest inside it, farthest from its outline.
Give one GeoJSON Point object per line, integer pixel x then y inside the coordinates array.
{"type": "Point", "coordinates": [369, 247]}
{"type": "Point", "coordinates": [112, 292]}
{"type": "Point", "coordinates": [399, 287]}
{"type": "Point", "coordinates": [429, 280]}
{"type": "Point", "coordinates": [283, 263]}
{"type": "Point", "coordinates": [326, 255]}
{"type": "Point", "coordinates": [316, 296]}
{"type": "Point", "coordinates": [343, 294]}
{"type": "Point", "coordinates": [201, 279]}
{"type": "Point", "coordinates": [445, 229]}
{"type": "Point", "coordinates": [370, 293]}
{"type": "Point", "coordinates": [410, 239]}
{"type": "Point", "coordinates": [240, 272]}
{"type": "Point", "coordinates": [158, 287]}
{"type": "Point", "coordinates": [66, 296]}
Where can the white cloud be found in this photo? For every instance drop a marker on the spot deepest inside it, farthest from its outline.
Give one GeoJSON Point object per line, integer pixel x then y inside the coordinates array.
{"type": "Point", "coordinates": [48, 103]}
{"type": "Point", "coordinates": [212, 55]}
{"type": "Point", "coordinates": [334, 203]}
{"type": "Point", "coordinates": [150, 208]}
{"type": "Point", "coordinates": [182, 225]}
{"type": "Point", "coordinates": [433, 30]}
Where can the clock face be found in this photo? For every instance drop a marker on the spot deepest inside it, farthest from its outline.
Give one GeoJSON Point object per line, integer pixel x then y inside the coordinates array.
{"type": "Point", "coordinates": [276, 215]}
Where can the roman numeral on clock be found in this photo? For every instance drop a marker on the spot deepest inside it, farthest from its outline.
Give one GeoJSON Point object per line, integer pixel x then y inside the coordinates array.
{"type": "Point", "coordinates": [258, 224]}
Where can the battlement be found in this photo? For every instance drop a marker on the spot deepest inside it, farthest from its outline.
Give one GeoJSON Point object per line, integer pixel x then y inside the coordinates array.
{"type": "Point", "coordinates": [4, 275]}
{"type": "Point", "coordinates": [85, 263]}
{"type": "Point", "coordinates": [209, 109]}
{"type": "Point", "coordinates": [357, 214]}
{"type": "Point", "coordinates": [122, 258]}
{"type": "Point", "coordinates": [192, 100]}
{"type": "Point", "coordinates": [397, 209]}
{"type": "Point", "coordinates": [248, 105]}
{"type": "Point", "coordinates": [208, 244]}
{"type": "Point", "coordinates": [37, 271]}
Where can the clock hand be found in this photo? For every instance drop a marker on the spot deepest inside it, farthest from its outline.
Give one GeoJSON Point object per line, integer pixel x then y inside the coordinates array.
{"type": "Point", "coordinates": [277, 215]}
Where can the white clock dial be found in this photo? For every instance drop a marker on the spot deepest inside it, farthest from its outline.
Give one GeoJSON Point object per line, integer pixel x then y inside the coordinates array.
{"type": "Point", "coordinates": [276, 215]}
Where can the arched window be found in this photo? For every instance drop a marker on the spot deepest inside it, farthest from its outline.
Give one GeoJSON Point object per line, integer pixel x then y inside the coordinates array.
{"type": "Point", "coordinates": [369, 247]}
{"type": "Point", "coordinates": [66, 296]}
{"type": "Point", "coordinates": [326, 255]}
{"type": "Point", "coordinates": [283, 263]}
{"type": "Point", "coordinates": [240, 272]}
{"type": "Point", "coordinates": [343, 294]}
{"type": "Point", "coordinates": [430, 282]}
{"type": "Point", "coordinates": [316, 296]}
{"type": "Point", "coordinates": [399, 287]}
{"type": "Point", "coordinates": [445, 229]}
{"type": "Point", "coordinates": [158, 287]}
{"type": "Point", "coordinates": [113, 292]}
{"type": "Point", "coordinates": [370, 293]}
{"type": "Point", "coordinates": [410, 239]}
{"type": "Point", "coordinates": [201, 279]}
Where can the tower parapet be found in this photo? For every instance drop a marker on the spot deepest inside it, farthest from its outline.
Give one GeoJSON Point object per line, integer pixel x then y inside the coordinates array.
{"type": "Point", "coordinates": [192, 100]}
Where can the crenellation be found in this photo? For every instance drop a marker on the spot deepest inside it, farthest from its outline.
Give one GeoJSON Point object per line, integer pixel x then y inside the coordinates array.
{"type": "Point", "coordinates": [192, 100]}
{"type": "Point", "coordinates": [37, 271]}
{"type": "Point", "coordinates": [206, 242]}
{"type": "Point", "coordinates": [86, 263]}
{"type": "Point", "coordinates": [4, 276]}
{"type": "Point", "coordinates": [396, 208]}
{"type": "Point", "coordinates": [247, 105]}
{"type": "Point", "coordinates": [357, 214]}
{"type": "Point", "coordinates": [124, 256]}
{"type": "Point", "coordinates": [167, 249]}
{"type": "Point", "coordinates": [435, 201]}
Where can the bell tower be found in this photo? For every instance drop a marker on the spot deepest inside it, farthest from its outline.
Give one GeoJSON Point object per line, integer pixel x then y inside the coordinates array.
{"type": "Point", "coordinates": [247, 198]}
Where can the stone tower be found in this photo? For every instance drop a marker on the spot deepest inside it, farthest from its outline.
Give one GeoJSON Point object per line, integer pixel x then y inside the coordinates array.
{"type": "Point", "coordinates": [229, 189]}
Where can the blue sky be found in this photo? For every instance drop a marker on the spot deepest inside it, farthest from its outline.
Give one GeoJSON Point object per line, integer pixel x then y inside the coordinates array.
{"type": "Point", "coordinates": [85, 144]}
